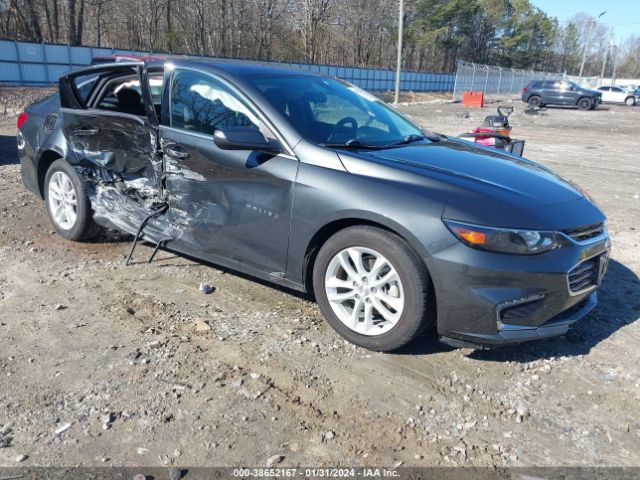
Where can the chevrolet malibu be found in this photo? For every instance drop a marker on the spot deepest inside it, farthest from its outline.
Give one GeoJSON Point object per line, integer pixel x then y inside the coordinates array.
{"type": "Point", "coordinates": [313, 184]}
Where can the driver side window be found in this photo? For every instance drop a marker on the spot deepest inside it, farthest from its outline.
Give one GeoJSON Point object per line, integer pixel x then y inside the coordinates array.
{"type": "Point", "coordinates": [203, 104]}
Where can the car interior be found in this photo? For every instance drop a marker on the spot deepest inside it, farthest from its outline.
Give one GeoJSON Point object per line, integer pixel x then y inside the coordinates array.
{"type": "Point", "coordinates": [119, 92]}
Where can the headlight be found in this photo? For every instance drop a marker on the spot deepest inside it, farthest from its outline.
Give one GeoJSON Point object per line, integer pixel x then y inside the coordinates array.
{"type": "Point", "coordinates": [504, 240]}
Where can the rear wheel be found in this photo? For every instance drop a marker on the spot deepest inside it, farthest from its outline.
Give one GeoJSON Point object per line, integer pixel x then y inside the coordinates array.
{"type": "Point", "coordinates": [585, 103]}
{"type": "Point", "coordinates": [534, 101]}
{"type": "Point", "coordinates": [372, 288]}
{"type": "Point", "coordinates": [68, 203]}
{"type": "Point", "coordinates": [631, 101]}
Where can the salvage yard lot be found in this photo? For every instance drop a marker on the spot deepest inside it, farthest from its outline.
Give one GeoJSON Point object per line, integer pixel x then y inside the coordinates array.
{"type": "Point", "coordinates": [102, 364]}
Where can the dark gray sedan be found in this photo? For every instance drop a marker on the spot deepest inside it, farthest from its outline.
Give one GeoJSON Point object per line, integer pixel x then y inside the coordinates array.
{"type": "Point", "coordinates": [313, 184]}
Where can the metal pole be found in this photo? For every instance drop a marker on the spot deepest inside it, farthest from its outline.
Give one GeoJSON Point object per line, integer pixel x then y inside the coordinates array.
{"type": "Point", "coordinates": [615, 65]}
{"type": "Point", "coordinates": [606, 53]}
{"type": "Point", "coordinates": [455, 82]}
{"type": "Point", "coordinates": [396, 97]}
{"type": "Point", "coordinates": [586, 46]}
{"type": "Point", "coordinates": [20, 74]}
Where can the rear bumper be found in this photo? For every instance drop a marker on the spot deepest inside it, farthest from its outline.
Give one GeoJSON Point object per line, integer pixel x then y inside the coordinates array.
{"type": "Point", "coordinates": [28, 171]}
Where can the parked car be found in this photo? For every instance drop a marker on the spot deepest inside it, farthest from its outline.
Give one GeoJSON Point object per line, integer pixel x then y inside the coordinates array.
{"type": "Point", "coordinates": [316, 185]}
{"type": "Point", "coordinates": [613, 94]}
{"type": "Point", "coordinates": [540, 93]}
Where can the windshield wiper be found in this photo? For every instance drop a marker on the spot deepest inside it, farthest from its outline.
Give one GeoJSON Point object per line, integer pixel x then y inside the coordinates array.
{"type": "Point", "coordinates": [353, 143]}
{"type": "Point", "coordinates": [412, 138]}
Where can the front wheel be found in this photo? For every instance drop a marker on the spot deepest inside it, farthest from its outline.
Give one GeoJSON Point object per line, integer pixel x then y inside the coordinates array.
{"type": "Point", "coordinates": [372, 288]}
{"type": "Point", "coordinates": [631, 101]}
{"type": "Point", "coordinates": [68, 203]}
{"type": "Point", "coordinates": [585, 104]}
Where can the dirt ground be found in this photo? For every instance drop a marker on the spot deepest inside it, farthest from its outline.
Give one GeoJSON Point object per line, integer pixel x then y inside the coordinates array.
{"type": "Point", "coordinates": [102, 364]}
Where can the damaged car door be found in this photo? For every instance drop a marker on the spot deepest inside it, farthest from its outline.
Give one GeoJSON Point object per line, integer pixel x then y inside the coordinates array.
{"type": "Point", "coordinates": [110, 126]}
{"type": "Point", "coordinates": [234, 204]}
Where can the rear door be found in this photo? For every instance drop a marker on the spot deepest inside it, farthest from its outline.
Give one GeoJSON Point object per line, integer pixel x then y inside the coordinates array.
{"type": "Point", "coordinates": [550, 94]}
{"type": "Point", "coordinates": [109, 122]}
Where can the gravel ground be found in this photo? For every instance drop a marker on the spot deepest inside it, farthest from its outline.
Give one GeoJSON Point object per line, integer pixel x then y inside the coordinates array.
{"type": "Point", "coordinates": [102, 364]}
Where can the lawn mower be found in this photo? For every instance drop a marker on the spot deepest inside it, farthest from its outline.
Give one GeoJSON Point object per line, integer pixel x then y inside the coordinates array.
{"type": "Point", "coordinates": [495, 132]}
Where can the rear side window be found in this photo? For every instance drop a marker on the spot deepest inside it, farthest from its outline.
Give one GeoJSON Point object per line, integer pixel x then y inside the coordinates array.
{"type": "Point", "coordinates": [83, 85]}
{"type": "Point", "coordinates": [203, 104]}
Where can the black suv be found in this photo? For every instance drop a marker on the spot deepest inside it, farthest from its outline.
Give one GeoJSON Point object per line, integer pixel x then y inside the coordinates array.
{"type": "Point", "coordinates": [560, 92]}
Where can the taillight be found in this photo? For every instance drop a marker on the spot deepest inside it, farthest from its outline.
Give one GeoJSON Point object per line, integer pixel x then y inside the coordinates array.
{"type": "Point", "coordinates": [525, 89]}
{"type": "Point", "coordinates": [21, 119]}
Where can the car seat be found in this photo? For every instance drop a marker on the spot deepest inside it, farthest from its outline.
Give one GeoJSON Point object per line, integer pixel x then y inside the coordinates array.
{"type": "Point", "coordinates": [129, 101]}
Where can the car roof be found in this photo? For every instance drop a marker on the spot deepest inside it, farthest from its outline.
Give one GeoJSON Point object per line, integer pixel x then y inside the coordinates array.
{"type": "Point", "coordinates": [237, 67]}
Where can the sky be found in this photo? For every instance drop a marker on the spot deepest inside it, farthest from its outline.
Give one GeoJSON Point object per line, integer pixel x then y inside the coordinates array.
{"type": "Point", "coordinates": [622, 15]}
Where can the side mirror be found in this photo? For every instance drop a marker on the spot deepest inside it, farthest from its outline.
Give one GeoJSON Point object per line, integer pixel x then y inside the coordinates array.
{"type": "Point", "coordinates": [245, 138]}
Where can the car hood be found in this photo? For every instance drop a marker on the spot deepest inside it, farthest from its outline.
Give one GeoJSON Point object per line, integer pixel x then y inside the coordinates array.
{"type": "Point", "coordinates": [484, 170]}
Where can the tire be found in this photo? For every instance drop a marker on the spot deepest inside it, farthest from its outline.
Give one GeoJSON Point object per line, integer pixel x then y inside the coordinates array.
{"type": "Point", "coordinates": [630, 101]}
{"type": "Point", "coordinates": [534, 101]}
{"type": "Point", "coordinates": [585, 103]}
{"type": "Point", "coordinates": [65, 190]}
{"type": "Point", "coordinates": [409, 297]}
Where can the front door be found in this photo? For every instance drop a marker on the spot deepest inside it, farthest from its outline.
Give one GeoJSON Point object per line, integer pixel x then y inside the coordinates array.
{"type": "Point", "coordinates": [231, 204]}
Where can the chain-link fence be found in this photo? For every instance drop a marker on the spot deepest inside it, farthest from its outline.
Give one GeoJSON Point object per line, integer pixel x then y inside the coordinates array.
{"type": "Point", "coordinates": [495, 82]}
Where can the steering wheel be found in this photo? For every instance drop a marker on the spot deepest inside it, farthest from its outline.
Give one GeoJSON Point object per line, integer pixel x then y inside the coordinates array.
{"type": "Point", "coordinates": [343, 122]}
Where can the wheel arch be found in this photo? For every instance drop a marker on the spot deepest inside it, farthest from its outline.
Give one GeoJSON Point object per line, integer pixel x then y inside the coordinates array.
{"type": "Point", "coordinates": [45, 159]}
{"type": "Point", "coordinates": [334, 226]}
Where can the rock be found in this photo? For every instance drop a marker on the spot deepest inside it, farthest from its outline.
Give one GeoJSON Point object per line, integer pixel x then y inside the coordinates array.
{"type": "Point", "coordinates": [398, 464]}
{"type": "Point", "coordinates": [206, 288]}
{"type": "Point", "coordinates": [329, 435]}
{"type": "Point", "coordinates": [142, 450]}
{"type": "Point", "coordinates": [21, 458]}
{"type": "Point", "coordinates": [59, 307]}
{"type": "Point", "coordinates": [274, 460]}
{"type": "Point", "coordinates": [5, 442]}
{"type": "Point", "coordinates": [154, 344]}
{"type": "Point", "coordinates": [6, 428]}
{"type": "Point", "coordinates": [62, 429]}
{"type": "Point", "coordinates": [522, 409]}
{"type": "Point", "coordinates": [254, 375]}
{"type": "Point", "coordinates": [238, 383]}
{"type": "Point", "coordinates": [202, 326]}
{"type": "Point", "coordinates": [177, 453]}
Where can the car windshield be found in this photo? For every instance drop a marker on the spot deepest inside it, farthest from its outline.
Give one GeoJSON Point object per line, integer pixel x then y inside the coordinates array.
{"type": "Point", "coordinates": [333, 112]}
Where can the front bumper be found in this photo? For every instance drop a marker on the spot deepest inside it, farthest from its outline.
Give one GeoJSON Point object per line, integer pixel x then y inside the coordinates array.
{"type": "Point", "coordinates": [490, 298]}
{"type": "Point", "coordinates": [558, 325]}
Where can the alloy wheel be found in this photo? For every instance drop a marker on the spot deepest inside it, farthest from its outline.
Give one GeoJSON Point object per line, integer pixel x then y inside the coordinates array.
{"type": "Point", "coordinates": [364, 290]}
{"type": "Point", "coordinates": [63, 201]}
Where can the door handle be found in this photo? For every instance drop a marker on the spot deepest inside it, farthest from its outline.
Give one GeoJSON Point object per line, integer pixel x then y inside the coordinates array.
{"type": "Point", "coordinates": [171, 150]}
{"type": "Point", "coordinates": [86, 132]}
